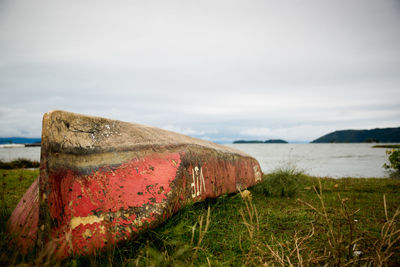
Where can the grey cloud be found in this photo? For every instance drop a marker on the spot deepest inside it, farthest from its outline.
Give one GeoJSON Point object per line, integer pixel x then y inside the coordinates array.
{"type": "Point", "coordinates": [212, 69]}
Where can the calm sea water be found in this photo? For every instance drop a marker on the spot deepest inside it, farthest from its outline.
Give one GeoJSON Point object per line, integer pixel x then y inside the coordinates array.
{"type": "Point", "coordinates": [324, 160]}
{"type": "Point", "coordinates": [332, 160]}
{"type": "Point", "coordinates": [8, 154]}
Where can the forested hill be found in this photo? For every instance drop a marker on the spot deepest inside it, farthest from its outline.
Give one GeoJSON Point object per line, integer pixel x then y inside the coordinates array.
{"type": "Point", "coordinates": [385, 135]}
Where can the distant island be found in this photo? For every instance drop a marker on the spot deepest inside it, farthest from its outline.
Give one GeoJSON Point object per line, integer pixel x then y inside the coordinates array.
{"type": "Point", "coordinates": [271, 141]}
{"type": "Point", "coordinates": [275, 141]}
{"type": "Point", "coordinates": [378, 135]}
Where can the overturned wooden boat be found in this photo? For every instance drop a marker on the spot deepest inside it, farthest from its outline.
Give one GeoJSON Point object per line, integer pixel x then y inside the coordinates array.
{"type": "Point", "coordinates": [103, 181]}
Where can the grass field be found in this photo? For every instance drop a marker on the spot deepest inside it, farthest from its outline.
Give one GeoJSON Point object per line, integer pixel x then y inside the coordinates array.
{"type": "Point", "coordinates": [289, 220]}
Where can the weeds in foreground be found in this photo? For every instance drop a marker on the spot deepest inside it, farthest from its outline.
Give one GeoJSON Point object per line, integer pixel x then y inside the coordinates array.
{"type": "Point", "coordinates": [389, 237]}
{"type": "Point", "coordinates": [289, 254]}
{"type": "Point", "coordinates": [283, 182]}
{"type": "Point", "coordinates": [173, 252]}
{"type": "Point", "coordinates": [346, 243]}
{"type": "Point", "coordinates": [250, 220]}
{"type": "Point", "coordinates": [202, 232]}
{"type": "Point", "coordinates": [340, 232]}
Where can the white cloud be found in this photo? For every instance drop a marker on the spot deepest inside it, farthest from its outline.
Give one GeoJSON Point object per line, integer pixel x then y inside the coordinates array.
{"type": "Point", "coordinates": [257, 132]}
{"type": "Point", "coordinates": [186, 131]}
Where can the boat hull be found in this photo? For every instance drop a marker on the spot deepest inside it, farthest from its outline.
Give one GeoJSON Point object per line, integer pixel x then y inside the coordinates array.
{"type": "Point", "coordinates": [106, 181]}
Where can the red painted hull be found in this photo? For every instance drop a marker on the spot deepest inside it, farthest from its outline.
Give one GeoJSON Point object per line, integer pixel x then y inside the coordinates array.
{"type": "Point", "coordinates": [25, 218]}
{"type": "Point", "coordinates": [87, 203]}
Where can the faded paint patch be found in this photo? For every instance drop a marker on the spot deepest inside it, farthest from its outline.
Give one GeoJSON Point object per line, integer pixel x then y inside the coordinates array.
{"type": "Point", "coordinates": [257, 173]}
{"type": "Point", "coordinates": [87, 234]}
{"type": "Point", "coordinates": [76, 221]}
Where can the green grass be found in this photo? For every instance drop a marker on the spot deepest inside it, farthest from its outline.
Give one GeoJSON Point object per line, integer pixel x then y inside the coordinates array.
{"type": "Point", "coordinates": [306, 227]}
{"type": "Point", "coordinates": [13, 185]}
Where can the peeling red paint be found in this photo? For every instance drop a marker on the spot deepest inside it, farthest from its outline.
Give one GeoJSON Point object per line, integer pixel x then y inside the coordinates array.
{"type": "Point", "coordinates": [107, 197]}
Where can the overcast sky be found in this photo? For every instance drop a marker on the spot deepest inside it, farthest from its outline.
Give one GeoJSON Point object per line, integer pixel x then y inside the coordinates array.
{"type": "Point", "coordinates": [218, 70]}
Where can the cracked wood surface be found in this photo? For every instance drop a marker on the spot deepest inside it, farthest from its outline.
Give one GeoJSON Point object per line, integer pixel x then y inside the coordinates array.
{"type": "Point", "coordinates": [71, 132]}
